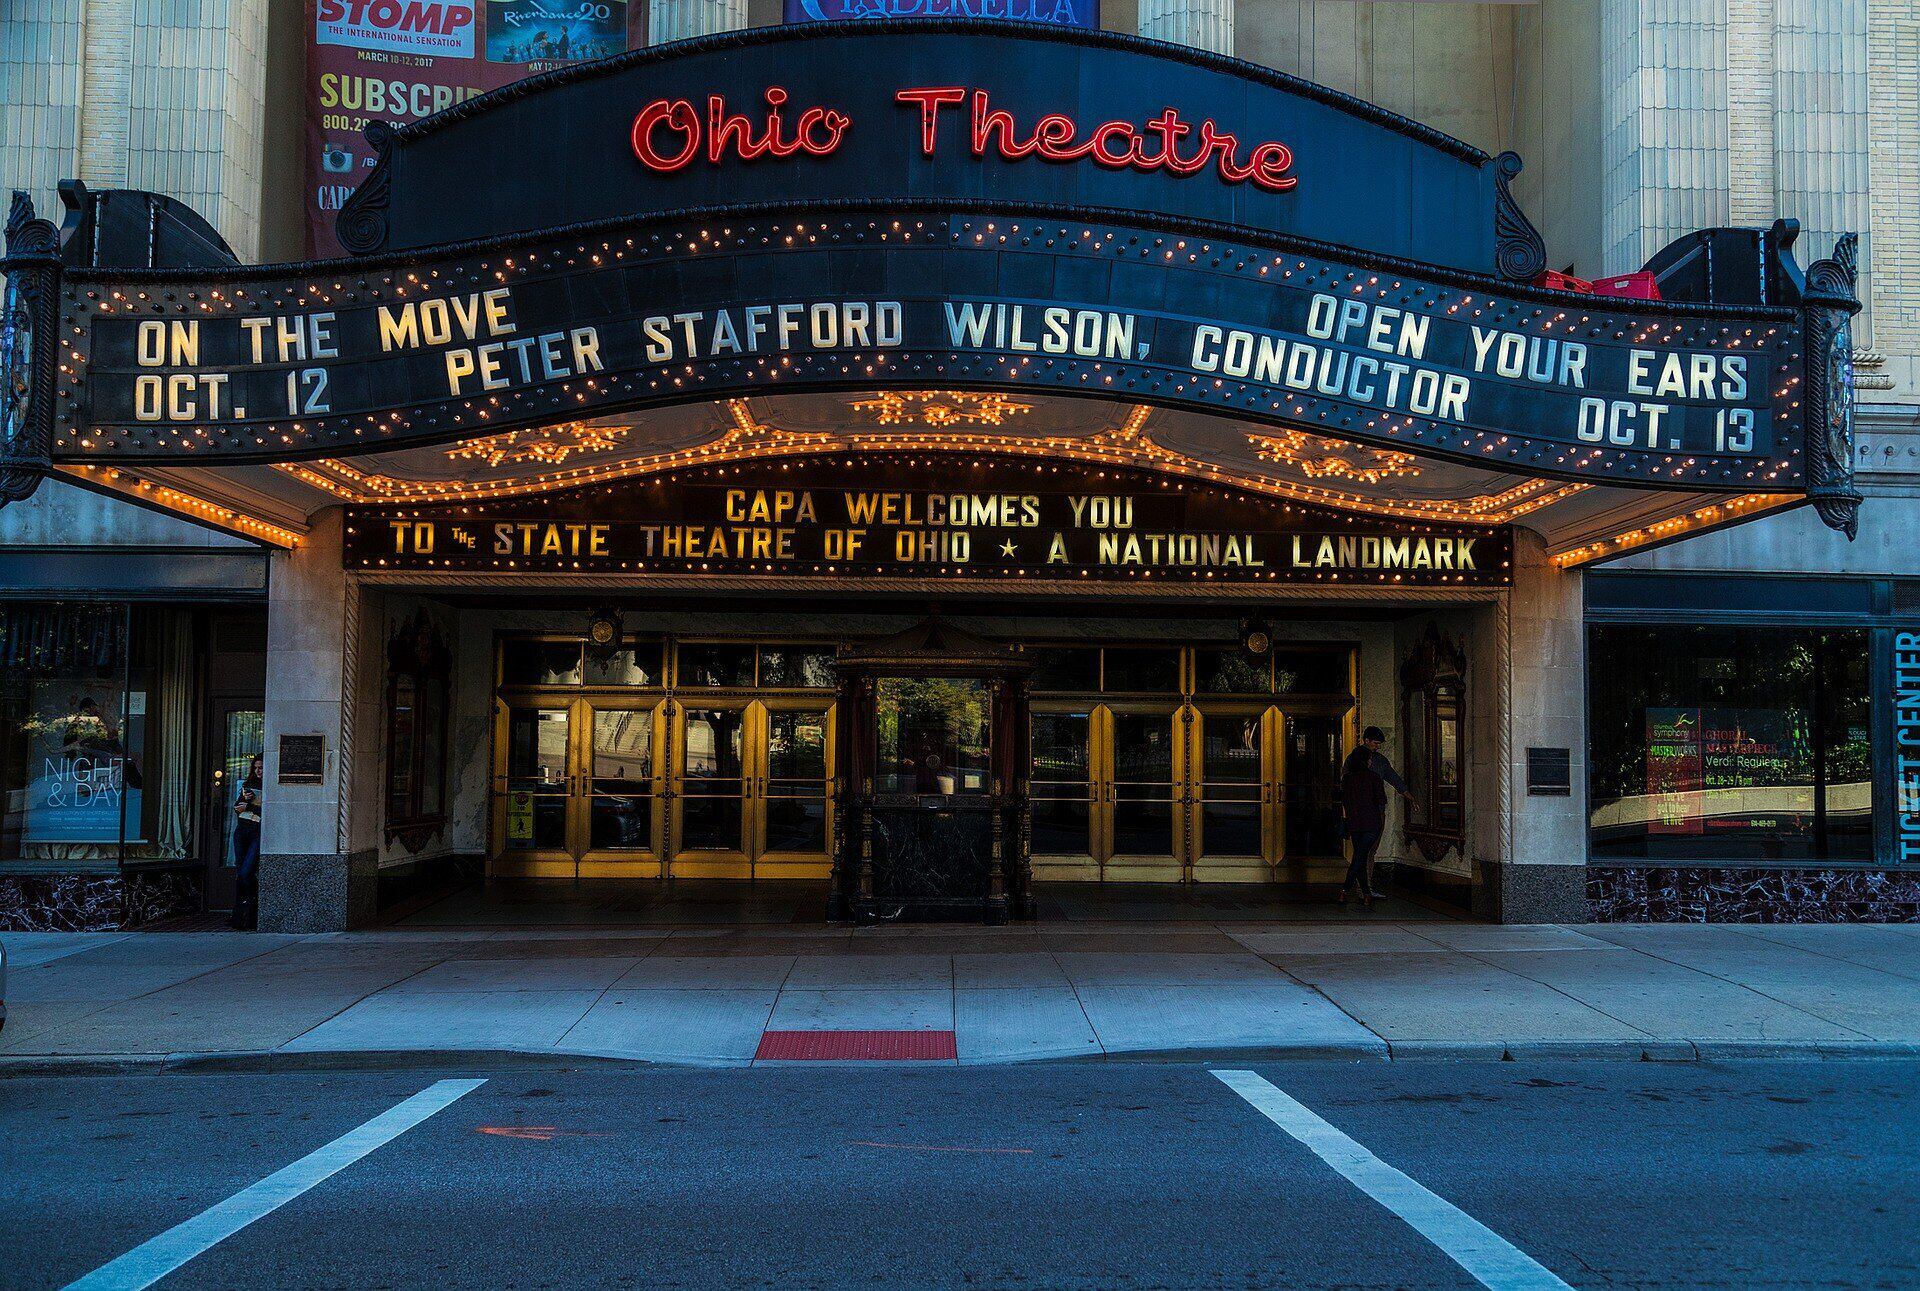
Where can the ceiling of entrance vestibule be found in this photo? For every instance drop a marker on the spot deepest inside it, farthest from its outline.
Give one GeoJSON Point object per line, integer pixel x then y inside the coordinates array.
{"type": "Point", "coordinates": [1577, 520]}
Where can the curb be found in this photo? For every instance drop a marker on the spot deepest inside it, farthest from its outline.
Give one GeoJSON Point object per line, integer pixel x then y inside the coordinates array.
{"type": "Point", "coordinates": [17, 1066]}
{"type": "Point", "coordinates": [276, 1062]}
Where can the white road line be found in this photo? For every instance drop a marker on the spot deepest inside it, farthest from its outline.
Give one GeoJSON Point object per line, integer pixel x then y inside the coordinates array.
{"type": "Point", "coordinates": [1493, 1261]}
{"type": "Point", "coordinates": [152, 1260]}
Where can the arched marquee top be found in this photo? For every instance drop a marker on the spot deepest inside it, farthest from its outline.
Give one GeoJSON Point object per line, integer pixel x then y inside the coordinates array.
{"type": "Point", "coordinates": [930, 111]}
{"type": "Point", "coordinates": [931, 205]}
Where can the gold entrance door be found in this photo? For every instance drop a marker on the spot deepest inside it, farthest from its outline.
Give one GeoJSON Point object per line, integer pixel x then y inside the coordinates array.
{"type": "Point", "coordinates": [620, 782]}
{"type": "Point", "coordinates": [792, 776]}
{"type": "Point", "coordinates": [577, 788]}
{"type": "Point", "coordinates": [750, 789]}
{"type": "Point", "coordinates": [1141, 756]}
{"type": "Point", "coordinates": [711, 789]}
{"type": "Point", "coordinates": [533, 791]}
{"type": "Point", "coordinates": [1066, 798]}
{"type": "Point", "coordinates": [1236, 807]}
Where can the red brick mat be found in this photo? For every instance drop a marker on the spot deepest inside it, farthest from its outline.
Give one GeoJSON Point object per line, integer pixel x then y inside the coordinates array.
{"type": "Point", "coordinates": [856, 1046]}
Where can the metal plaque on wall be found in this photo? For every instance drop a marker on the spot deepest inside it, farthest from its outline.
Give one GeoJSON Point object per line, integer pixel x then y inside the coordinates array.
{"type": "Point", "coordinates": [1549, 772]}
{"type": "Point", "coordinates": [303, 759]}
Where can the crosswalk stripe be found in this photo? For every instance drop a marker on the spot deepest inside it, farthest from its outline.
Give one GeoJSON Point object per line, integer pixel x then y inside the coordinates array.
{"type": "Point", "coordinates": [158, 1256]}
{"type": "Point", "coordinates": [1491, 1259]}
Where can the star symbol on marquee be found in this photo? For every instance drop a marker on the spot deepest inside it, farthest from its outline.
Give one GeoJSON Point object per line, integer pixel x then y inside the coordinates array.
{"type": "Point", "coordinates": [1008, 549]}
{"type": "Point", "coordinates": [551, 446]}
{"type": "Point", "coordinates": [1317, 457]}
{"type": "Point", "coordinates": [940, 407]}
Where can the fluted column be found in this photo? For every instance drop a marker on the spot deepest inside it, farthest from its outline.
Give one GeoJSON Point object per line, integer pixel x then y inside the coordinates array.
{"type": "Point", "coordinates": [680, 19]}
{"type": "Point", "coordinates": [1203, 24]}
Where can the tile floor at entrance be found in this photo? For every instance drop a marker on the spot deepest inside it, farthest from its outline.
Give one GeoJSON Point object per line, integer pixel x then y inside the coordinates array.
{"type": "Point", "coordinates": [644, 904]}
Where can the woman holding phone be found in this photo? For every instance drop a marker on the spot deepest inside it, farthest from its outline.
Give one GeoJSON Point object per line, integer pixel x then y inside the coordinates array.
{"type": "Point", "coordinates": [246, 849]}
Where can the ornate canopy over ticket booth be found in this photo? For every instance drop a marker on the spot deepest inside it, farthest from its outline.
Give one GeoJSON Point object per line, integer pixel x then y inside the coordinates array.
{"type": "Point", "coordinates": [1123, 423]}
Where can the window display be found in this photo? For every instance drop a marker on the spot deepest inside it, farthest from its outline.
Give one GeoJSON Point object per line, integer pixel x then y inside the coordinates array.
{"type": "Point", "coordinates": [1720, 743]}
{"type": "Point", "coordinates": [97, 706]}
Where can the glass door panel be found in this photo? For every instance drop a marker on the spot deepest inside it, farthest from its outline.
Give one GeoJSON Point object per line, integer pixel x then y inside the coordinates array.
{"type": "Point", "coordinates": [242, 739]}
{"type": "Point", "coordinates": [1062, 795]}
{"type": "Point", "coordinates": [711, 838]}
{"type": "Point", "coordinates": [534, 787]}
{"type": "Point", "coordinates": [1144, 814]}
{"type": "Point", "coordinates": [622, 814]}
{"type": "Point", "coordinates": [1233, 795]}
{"type": "Point", "coordinates": [1312, 823]}
{"type": "Point", "coordinates": [795, 774]}
{"type": "Point", "coordinates": [932, 813]}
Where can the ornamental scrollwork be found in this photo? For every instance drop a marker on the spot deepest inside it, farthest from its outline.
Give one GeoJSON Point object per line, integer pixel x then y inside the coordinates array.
{"type": "Point", "coordinates": [1831, 300]}
{"type": "Point", "coordinates": [26, 353]}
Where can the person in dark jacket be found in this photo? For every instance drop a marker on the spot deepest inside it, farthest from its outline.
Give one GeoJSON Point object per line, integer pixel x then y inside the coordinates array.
{"type": "Point", "coordinates": [246, 850]}
{"type": "Point", "coordinates": [1363, 803]}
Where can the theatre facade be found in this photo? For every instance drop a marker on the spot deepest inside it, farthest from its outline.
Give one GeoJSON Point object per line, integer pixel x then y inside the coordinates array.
{"type": "Point", "coordinates": [933, 463]}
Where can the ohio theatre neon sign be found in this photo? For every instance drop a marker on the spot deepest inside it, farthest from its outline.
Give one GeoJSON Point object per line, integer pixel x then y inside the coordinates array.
{"type": "Point", "coordinates": [670, 134]}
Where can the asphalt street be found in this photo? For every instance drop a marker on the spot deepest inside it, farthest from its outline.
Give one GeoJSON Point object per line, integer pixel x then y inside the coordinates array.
{"type": "Point", "coordinates": [1069, 1176]}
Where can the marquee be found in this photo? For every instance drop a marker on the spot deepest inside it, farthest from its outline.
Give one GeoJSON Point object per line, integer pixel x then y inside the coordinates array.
{"type": "Point", "coordinates": [977, 206]}
{"type": "Point", "coordinates": [880, 518]}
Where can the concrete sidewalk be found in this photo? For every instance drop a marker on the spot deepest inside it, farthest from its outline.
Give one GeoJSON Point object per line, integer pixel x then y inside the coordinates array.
{"type": "Point", "coordinates": [708, 995]}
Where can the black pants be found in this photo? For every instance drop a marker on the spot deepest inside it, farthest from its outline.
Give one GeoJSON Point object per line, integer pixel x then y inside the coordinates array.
{"type": "Point", "coordinates": [1360, 868]}
{"type": "Point", "coordinates": [246, 875]}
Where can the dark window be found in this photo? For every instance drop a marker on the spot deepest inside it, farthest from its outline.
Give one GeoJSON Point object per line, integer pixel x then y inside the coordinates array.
{"type": "Point", "coordinates": [1066, 669]}
{"type": "Point", "coordinates": [1061, 785]}
{"type": "Point", "coordinates": [539, 663]}
{"type": "Point", "coordinates": [1136, 670]}
{"type": "Point", "coordinates": [637, 663]}
{"type": "Point", "coordinates": [1433, 737]}
{"type": "Point", "coordinates": [1720, 743]}
{"type": "Point", "coordinates": [796, 667]}
{"type": "Point", "coordinates": [1231, 671]}
{"type": "Point", "coordinates": [1312, 671]}
{"type": "Point", "coordinates": [716, 663]}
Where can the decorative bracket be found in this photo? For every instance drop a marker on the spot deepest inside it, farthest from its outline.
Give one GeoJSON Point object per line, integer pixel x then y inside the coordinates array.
{"type": "Point", "coordinates": [1830, 302]}
{"type": "Point", "coordinates": [361, 225]}
{"type": "Point", "coordinates": [27, 329]}
{"type": "Point", "coordinates": [1519, 253]}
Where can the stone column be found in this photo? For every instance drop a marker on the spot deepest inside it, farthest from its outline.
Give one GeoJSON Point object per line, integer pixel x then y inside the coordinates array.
{"type": "Point", "coordinates": [1530, 653]}
{"type": "Point", "coordinates": [683, 19]}
{"type": "Point", "coordinates": [312, 878]}
{"type": "Point", "coordinates": [1203, 24]}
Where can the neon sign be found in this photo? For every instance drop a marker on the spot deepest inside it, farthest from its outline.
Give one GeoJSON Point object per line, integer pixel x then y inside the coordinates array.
{"type": "Point", "coordinates": [668, 134]}
{"type": "Point", "coordinates": [1117, 145]}
{"type": "Point", "coordinates": [817, 132]}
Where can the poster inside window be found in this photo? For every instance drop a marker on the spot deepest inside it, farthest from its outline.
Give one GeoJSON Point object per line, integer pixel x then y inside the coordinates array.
{"type": "Point", "coordinates": [96, 735]}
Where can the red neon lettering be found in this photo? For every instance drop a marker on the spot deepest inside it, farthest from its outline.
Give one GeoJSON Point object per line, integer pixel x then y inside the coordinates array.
{"type": "Point", "coordinates": [1097, 145]}
{"type": "Point", "coordinates": [1117, 145]}
{"type": "Point", "coordinates": [676, 114]}
{"type": "Point", "coordinates": [818, 132]}
{"type": "Point", "coordinates": [930, 101]}
{"type": "Point", "coordinates": [834, 123]}
{"type": "Point", "coordinates": [1270, 163]}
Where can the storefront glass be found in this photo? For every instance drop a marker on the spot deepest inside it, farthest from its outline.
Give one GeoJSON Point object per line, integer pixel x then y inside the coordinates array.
{"type": "Point", "coordinates": [98, 719]}
{"type": "Point", "coordinates": [1724, 743]}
